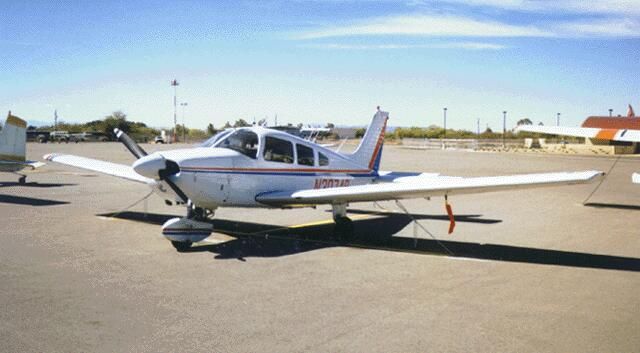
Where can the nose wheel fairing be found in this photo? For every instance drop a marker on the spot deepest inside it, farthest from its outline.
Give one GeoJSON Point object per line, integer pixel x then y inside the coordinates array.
{"type": "Point", "coordinates": [186, 230]}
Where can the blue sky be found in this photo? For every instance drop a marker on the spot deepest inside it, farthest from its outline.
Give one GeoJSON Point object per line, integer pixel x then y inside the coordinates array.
{"type": "Point", "coordinates": [317, 61]}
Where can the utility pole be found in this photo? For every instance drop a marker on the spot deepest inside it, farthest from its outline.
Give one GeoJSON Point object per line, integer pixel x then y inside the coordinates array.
{"type": "Point", "coordinates": [610, 112]}
{"type": "Point", "coordinates": [184, 127]}
{"type": "Point", "coordinates": [504, 128]}
{"type": "Point", "coordinates": [55, 120]}
{"type": "Point", "coordinates": [478, 127]}
{"type": "Point", "coordinates": [444, 136]}
{"type": "Point", "coordinates": [558, 119]}
{"type": "Point", "coordinates": [175, 84]}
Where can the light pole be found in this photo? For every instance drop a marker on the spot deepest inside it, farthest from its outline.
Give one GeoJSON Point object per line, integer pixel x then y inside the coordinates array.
{"type": "Point", "coordinates": [175, 84]}
{"type": "Point", "coordinates": [444, 136]}
{"type": "Point", "coordinates": [184, 127]}
{"type": "Point", "coordinates": [558, 119]}
{"type": "Point", "coordinates": [610, 112]}
{"type": "Point", "coordinates": [504, 127]}
{"type": "Point", "coordinates": [478, 127]}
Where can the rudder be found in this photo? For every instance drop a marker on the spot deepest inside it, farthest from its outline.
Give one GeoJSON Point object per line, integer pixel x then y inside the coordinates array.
{"type": "Point", "coordinates": [369, 151]}
{"type": "Point", "coordinates": [13, 139]}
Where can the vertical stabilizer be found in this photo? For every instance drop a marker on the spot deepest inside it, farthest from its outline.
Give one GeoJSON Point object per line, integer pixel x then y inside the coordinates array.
{"type": "Point", "coordinates": [13, 139]}
{"type": "Point", "coordinates": [369, 151]}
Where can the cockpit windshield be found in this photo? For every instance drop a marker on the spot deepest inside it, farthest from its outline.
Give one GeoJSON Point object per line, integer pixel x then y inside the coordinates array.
{"type": "Point", "coordinates": [216, 138]}
{"type": "Point", "coordinates": [243, 141]}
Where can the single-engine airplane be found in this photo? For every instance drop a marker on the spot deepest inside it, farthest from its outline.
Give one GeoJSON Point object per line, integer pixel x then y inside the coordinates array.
{"type": "Point", "coordinates": [260, 167]}
{"type": "Point", "coordinates": [13, 146]}
{"type": "Point", "coordinates": [623, 135]}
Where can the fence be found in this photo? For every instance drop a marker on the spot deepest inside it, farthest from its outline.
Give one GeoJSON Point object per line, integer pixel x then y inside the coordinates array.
{"type": "Point", "coordinates": [460, 144]}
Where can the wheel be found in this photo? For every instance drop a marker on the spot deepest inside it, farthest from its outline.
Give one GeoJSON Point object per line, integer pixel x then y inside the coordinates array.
{"type": "Point", "coordinates": [181, 245]}
{"type": "Point", "coordinates": [23, 179]}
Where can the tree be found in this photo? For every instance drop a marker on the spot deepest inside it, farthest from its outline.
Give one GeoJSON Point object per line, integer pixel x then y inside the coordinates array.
{"type": "Point", "coordinates": [524, 121]}
{"type": "Point", "coordinates": [360, 132]}
{"type": "Point", "coordinates": [211, 130]}
{"type": "Point", "coordinates": [226, 125]}
{"type": "Point", "coordinates": [117, 119]}
{"type": "Point", "coordinates": [241, 123]}
{"type": "Point", "coordinates": [330, 126]}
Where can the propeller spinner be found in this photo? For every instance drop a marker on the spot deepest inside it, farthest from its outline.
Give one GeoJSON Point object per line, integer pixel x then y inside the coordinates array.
{"type": "Point", "coordinates": [153, 166]}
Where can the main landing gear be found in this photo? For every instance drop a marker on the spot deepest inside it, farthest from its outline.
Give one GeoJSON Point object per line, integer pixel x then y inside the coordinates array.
{"type": "Point", "coordinates": [343, 224]}
{"type": "Point", "coordinates": [22, 179]}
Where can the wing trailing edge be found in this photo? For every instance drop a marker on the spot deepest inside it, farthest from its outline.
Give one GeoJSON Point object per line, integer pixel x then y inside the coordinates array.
{"type": "Point", "coordinates": [427, 187]}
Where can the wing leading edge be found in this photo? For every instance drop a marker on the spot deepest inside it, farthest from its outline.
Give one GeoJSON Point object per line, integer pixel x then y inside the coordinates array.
{"type": "Point", "coordinates": [113, 169]}
{"type": "Point", "coordinates": [434, 186]}
{"type": "Point", "coordinates": [586, 132]}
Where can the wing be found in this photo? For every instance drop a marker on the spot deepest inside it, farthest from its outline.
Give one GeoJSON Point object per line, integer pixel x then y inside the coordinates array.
{"type": "Point", "coordinates": [425, 187]}
{"type": "Point", "coordinates": [586, 132]}
{"type": "Point", "coordinates": [34, 164]}
{"type": "Point", "coordinates": [114, 169]}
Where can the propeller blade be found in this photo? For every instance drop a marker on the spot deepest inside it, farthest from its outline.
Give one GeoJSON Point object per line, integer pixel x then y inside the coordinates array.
{"type": "Point", "coordinates": [172, 168]}
{"type": "Point", "coordinates": [131, 145]}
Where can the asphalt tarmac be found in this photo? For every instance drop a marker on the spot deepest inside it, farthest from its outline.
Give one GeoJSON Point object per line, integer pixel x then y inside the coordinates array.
{"type": "Point", "coordinates": [526, 271]}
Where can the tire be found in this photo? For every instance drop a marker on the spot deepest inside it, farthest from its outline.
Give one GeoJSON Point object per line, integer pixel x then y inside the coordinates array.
{"type": "Point", "coordinates": [181, 245]}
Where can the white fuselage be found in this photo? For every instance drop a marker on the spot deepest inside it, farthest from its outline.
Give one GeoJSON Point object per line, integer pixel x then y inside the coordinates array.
{"type": "Point", "coordinates": [242, 164]}
{"type": "Point", "coordinates": [214, 177]}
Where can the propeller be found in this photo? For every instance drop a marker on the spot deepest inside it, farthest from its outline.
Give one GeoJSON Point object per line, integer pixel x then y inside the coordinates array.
{"type": "Point", "coordinates": [149, 165]}
{"type": "Point", "coordinates": [131, 145]}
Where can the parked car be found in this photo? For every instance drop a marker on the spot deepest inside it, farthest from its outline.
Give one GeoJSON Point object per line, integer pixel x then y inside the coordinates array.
{"type": "Point", "coordinates": [59, 136]}
{"type": "Point", "coordinates": [37, 136]}
{"type": "Point", "coordinates": [89, 137]}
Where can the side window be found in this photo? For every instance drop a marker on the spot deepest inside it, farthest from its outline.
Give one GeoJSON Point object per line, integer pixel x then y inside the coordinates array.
{"type": "Point", "coordinates": [277, 150]}
{"type": "Point", "coordinates": [305, 155]}
{"type": "Point", "coordinates": [324, 160]}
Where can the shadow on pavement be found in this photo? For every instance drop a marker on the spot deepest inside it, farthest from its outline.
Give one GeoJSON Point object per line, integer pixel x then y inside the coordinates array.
{"type": "Point", "coordinates": [613, 205]}
{"type": "Point", "coordinates": [263, 240]}
{"type": "Point", "coordinates": [471, 218]}
{"type": "Point", "coordinates": [33, 184]}
{"type": "Point", "coordinates": [23, 200]}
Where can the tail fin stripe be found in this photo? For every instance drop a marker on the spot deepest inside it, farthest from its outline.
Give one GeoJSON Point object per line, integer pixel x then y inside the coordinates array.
{"type": "Point", "coordinates": [376, 150]}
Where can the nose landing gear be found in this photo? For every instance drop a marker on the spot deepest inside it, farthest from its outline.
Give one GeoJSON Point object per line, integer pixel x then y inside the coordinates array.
{"type": "Point", "coordinates": [183, 232]}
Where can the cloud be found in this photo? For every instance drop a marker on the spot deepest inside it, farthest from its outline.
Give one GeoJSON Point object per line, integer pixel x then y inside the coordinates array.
{"type": "Point", "coordinates": [600, 28]}
{"type": "Point", "coordinates": [426, 25]}
{"type": "Point", "coordinates": [451, 45]}
{"type": "Point", "coordinates": [617, 7]}
{"type": "Point", "coordinates": [457, 26]}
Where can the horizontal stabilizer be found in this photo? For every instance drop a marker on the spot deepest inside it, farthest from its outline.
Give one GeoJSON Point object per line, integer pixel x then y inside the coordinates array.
{"type": "Point", "coordinates": [113, 169]}
{"type": "Point", "coordinates": [425, 187]}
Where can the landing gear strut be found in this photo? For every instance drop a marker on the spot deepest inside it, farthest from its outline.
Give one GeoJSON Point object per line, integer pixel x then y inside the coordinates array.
{"type": "Point", "coordinates": [344, 224]}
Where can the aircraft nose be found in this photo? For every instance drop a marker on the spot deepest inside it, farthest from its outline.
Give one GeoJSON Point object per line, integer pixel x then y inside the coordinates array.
{"type": "Point", "coordinates": [150, 166]}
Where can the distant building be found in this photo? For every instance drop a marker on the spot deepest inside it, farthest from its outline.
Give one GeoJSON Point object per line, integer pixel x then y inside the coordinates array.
{"type": "Point", "coordinates": [629, 122]}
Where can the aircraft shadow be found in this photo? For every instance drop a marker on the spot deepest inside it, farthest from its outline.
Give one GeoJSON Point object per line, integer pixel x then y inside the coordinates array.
{"type": "Point", "coordinates": [613, 205]}
{"type": "Point", "coordinates": [263, 240]}
{"type": "Point", "coordinates": [23, 200]}
{"type": "Point", "coordinates": [470, 218]}
{"type": "Point", "coordinates": [33, 184]}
